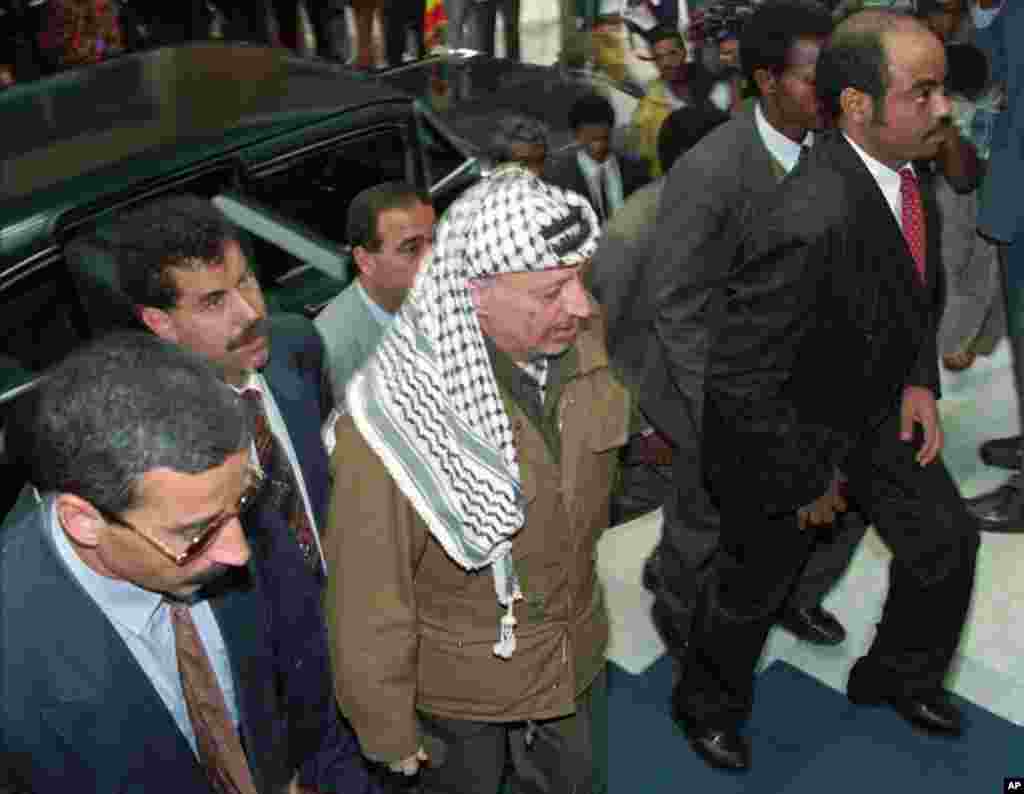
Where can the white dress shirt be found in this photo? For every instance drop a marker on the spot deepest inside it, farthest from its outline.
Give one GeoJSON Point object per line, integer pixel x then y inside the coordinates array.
{"type": "Point", "coordinates": [785, 151]}
{"type": "Point", "coordinates": [280, 431]}
{"type": "Point", "coordinates": [143, 620]}
{"type": "Point", "coordinates": [888, 180]}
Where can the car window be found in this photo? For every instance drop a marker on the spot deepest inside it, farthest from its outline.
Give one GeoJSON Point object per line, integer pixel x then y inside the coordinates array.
{"type": "Point", "coordinates": [299, 269]}
{"type": "Point", "coordinates": [317, 189]}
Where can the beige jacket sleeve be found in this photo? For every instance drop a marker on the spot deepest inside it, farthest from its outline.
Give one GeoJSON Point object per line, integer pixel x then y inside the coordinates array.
{"type": "Point", "coordinates": [374, 540]}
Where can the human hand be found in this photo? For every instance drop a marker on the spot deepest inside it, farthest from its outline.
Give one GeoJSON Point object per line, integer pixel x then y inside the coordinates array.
{"type": "Point", "coordinates": [822, 511]}
{"type": "Point", "coordinates": [411, 765]}
{"type": "Point", "coordinates": [919, 408]}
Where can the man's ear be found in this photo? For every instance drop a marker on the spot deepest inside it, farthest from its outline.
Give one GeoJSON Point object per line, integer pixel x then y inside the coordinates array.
{"type": "Point", "coordinates": [364, 260]}
{"type": "Point", "coordinates": [80, 519]}
{"type": "Point", "coordinates": [766, 82]}
{"type": "Point", "coordinates": [158, 321]}
{"type": "Point", "coordinates": [856, 105]}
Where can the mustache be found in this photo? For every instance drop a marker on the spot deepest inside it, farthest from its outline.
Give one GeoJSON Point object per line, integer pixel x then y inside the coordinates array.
{"type": "Point", "coordinates": [256, 330]}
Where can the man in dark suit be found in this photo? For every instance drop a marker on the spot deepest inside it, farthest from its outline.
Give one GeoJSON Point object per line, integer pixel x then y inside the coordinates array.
{"type": "Point", "coordinates": [180, 262]}
{"type": "Point", "coordinates": [605, 177]}
{"type": "Point", "coordinates": [662, 331]}
{"type": "Point", "coordinates": [824, 359]}
{"type": "Point", "coordinates": [140, 456]}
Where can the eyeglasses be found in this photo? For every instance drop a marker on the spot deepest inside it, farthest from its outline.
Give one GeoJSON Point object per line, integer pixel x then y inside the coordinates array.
{"type": "Point", "coordinates": [206, 533]}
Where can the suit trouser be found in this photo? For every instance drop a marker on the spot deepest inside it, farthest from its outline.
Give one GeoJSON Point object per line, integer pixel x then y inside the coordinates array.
{"type": "Point", "coordinates": [919, 514]}
{"type": "Point", "coordinates": [690, 536]}
{"type": "Point", "coordinates": [399, 17]}
{"type": "Point", "coordinates": [488, 14]}
{"type": "Point", "coordinates": [553, 756]}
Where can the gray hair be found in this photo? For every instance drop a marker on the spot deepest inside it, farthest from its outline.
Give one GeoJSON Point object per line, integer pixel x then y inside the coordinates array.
{"type": "Point", "coordinates": [125, 405]}
{"type": "Point", "coordinates": [513, 130]}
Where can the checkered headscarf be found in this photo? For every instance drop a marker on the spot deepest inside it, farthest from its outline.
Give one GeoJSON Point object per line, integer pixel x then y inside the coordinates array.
{"type": "Point", "coordinates": [428, 402]}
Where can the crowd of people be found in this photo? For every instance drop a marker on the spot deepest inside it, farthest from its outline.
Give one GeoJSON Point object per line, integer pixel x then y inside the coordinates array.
{"type": "Point", "coordinates": [260, 553]}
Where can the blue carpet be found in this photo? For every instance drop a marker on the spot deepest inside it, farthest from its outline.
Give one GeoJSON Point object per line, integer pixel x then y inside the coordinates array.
{"type": "Point", "coordinates": [806, 738]}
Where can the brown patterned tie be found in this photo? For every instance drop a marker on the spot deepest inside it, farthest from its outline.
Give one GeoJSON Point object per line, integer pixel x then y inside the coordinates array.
{"type": "Point", "coordinates": [220, 748]}
{"type": "Point", "coordinates": [913, 219]}
{"type": "Point", "coordinates": [286, 494]}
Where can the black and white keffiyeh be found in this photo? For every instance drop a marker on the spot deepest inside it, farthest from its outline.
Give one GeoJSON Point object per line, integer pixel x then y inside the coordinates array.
{"type": "Point", "coordinates": [427, 402]}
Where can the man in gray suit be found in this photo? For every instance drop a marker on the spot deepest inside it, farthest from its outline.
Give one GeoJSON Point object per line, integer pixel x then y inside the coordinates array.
{"type": "Point", "coordinates": [390, 228]}
{"type": "Point", "coordinates": [706, 205]}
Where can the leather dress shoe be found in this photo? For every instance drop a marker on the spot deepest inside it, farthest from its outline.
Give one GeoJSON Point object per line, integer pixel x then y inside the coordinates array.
{"type": "Point", "coordinates": [931, 713]}
{"type": "Point", "coordinates": [721, 748]}
{"type": "Point", "coordinates": [813, 624]}
{"type": "Point", "coordinates": [1005, 453]}
{"type": "Point", "coordinates": [1001, 510]}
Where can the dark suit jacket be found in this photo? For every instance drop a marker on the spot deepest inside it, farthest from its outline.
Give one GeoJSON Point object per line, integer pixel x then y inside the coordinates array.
{"type": "Point", "coordinates": [819, 328]}
{"type": "Point", "coordinates": [657, 329]}
{"type": "Point", "coordinates": [77, 710]}
{"type": "Point", "coordinates": [563, 170]}
{"type": "Point", "coordinates": [295, 374]}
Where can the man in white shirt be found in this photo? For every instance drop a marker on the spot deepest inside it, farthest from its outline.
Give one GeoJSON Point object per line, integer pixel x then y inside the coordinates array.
{"type": "Point", "coordinates": [605, 177]}
{"type": "Point", "coordinates": [825, 359]}
{"type": "Point", "coordinates": [709, 200]}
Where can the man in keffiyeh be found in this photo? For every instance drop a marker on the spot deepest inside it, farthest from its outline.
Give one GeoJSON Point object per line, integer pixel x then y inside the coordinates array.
{"type": "Point", "coordinates": [472, 480]}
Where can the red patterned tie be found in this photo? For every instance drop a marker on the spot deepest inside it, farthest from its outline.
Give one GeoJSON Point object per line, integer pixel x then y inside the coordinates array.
{"type": "Point", "coordinates": [285, 487]}
{"type": "Point", "coordinates": [913, 219]}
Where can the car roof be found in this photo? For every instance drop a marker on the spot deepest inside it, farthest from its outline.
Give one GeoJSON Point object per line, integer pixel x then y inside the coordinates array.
{"type": "Point", "coordinates": [95, 131]}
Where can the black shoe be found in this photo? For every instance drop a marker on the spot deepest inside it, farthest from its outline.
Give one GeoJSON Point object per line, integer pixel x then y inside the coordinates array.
{"type": "Point", "coordinates": [814, 624]}
{"type": "Point", "coordinates": [1003, 452]}
{"type": "Point", "coordinates": [1001, 510]}
{"type": "Point", "coordinates": [932, 713]}
{"type": "Point", "coordinates": [721, 748]}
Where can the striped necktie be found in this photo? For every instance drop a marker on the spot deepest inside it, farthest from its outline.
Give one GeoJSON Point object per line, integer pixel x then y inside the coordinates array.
{"type": "Point", "coordinates": [217, 740]}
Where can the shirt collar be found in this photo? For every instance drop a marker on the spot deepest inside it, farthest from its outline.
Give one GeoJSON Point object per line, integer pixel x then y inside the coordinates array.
{"type": "Point", "coordinates": [591, 168]}
{"type": "Point", "coordinates": [382, 317]}
{"type": "Point", "coordinates": [254, 381]}
{"type": "Point", "coordinates": [784, 150]}
{"type": "Point", "coordinates": [121, 601]}
{"type": "Point", "coordinates": [888, 179]}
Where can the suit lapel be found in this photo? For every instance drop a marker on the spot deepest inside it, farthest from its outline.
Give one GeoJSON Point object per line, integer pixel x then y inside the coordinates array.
{"type": "Point", "coordinates": [298, 407]}
{"type": "Point", "coordinates": [879, 223]}
{"type": "Point", "coordinates": [103, 703]}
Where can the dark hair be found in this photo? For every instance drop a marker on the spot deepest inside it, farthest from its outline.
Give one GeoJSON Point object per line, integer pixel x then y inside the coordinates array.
{"type": "Point", "coordinates": [517, 129]}
{"type": "Point", "coordinates": [966, 70]}
{"type": "Point", "coordinates": [591, 109]}
{"type": "Point", "coordinates": [182, 231]}
{"type": "Point", "coordinates": [774, 28]}
{"type": "Point", "coordinates": [683, 128]}
{"type": "Point", "coordinates": [125, 405]}
{"type": "Point", "coordinates": [855, 57]}
{"type": "Point", "coordinates": [663, 32]}
{"type": "Point", "coordinates": [366, 208]}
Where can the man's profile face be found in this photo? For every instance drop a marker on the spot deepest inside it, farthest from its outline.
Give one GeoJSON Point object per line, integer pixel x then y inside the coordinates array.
{"type": "Point", "coordinates": [526, 314]}
{"type": "Point", "coordinates": [596, 140]}
{"type": "Point", "coordinates": [220, 314]}
{"type": "Point", "coordinates": [406, 237]}
{"type": "Point", "coordinates": [916, 108]}
{"type": "Point", "coordinates": [669, 57]}
{"type": "Point", "coordinates": [173, 508]}
{"type": "Point", "coordinates": [795, 94]}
